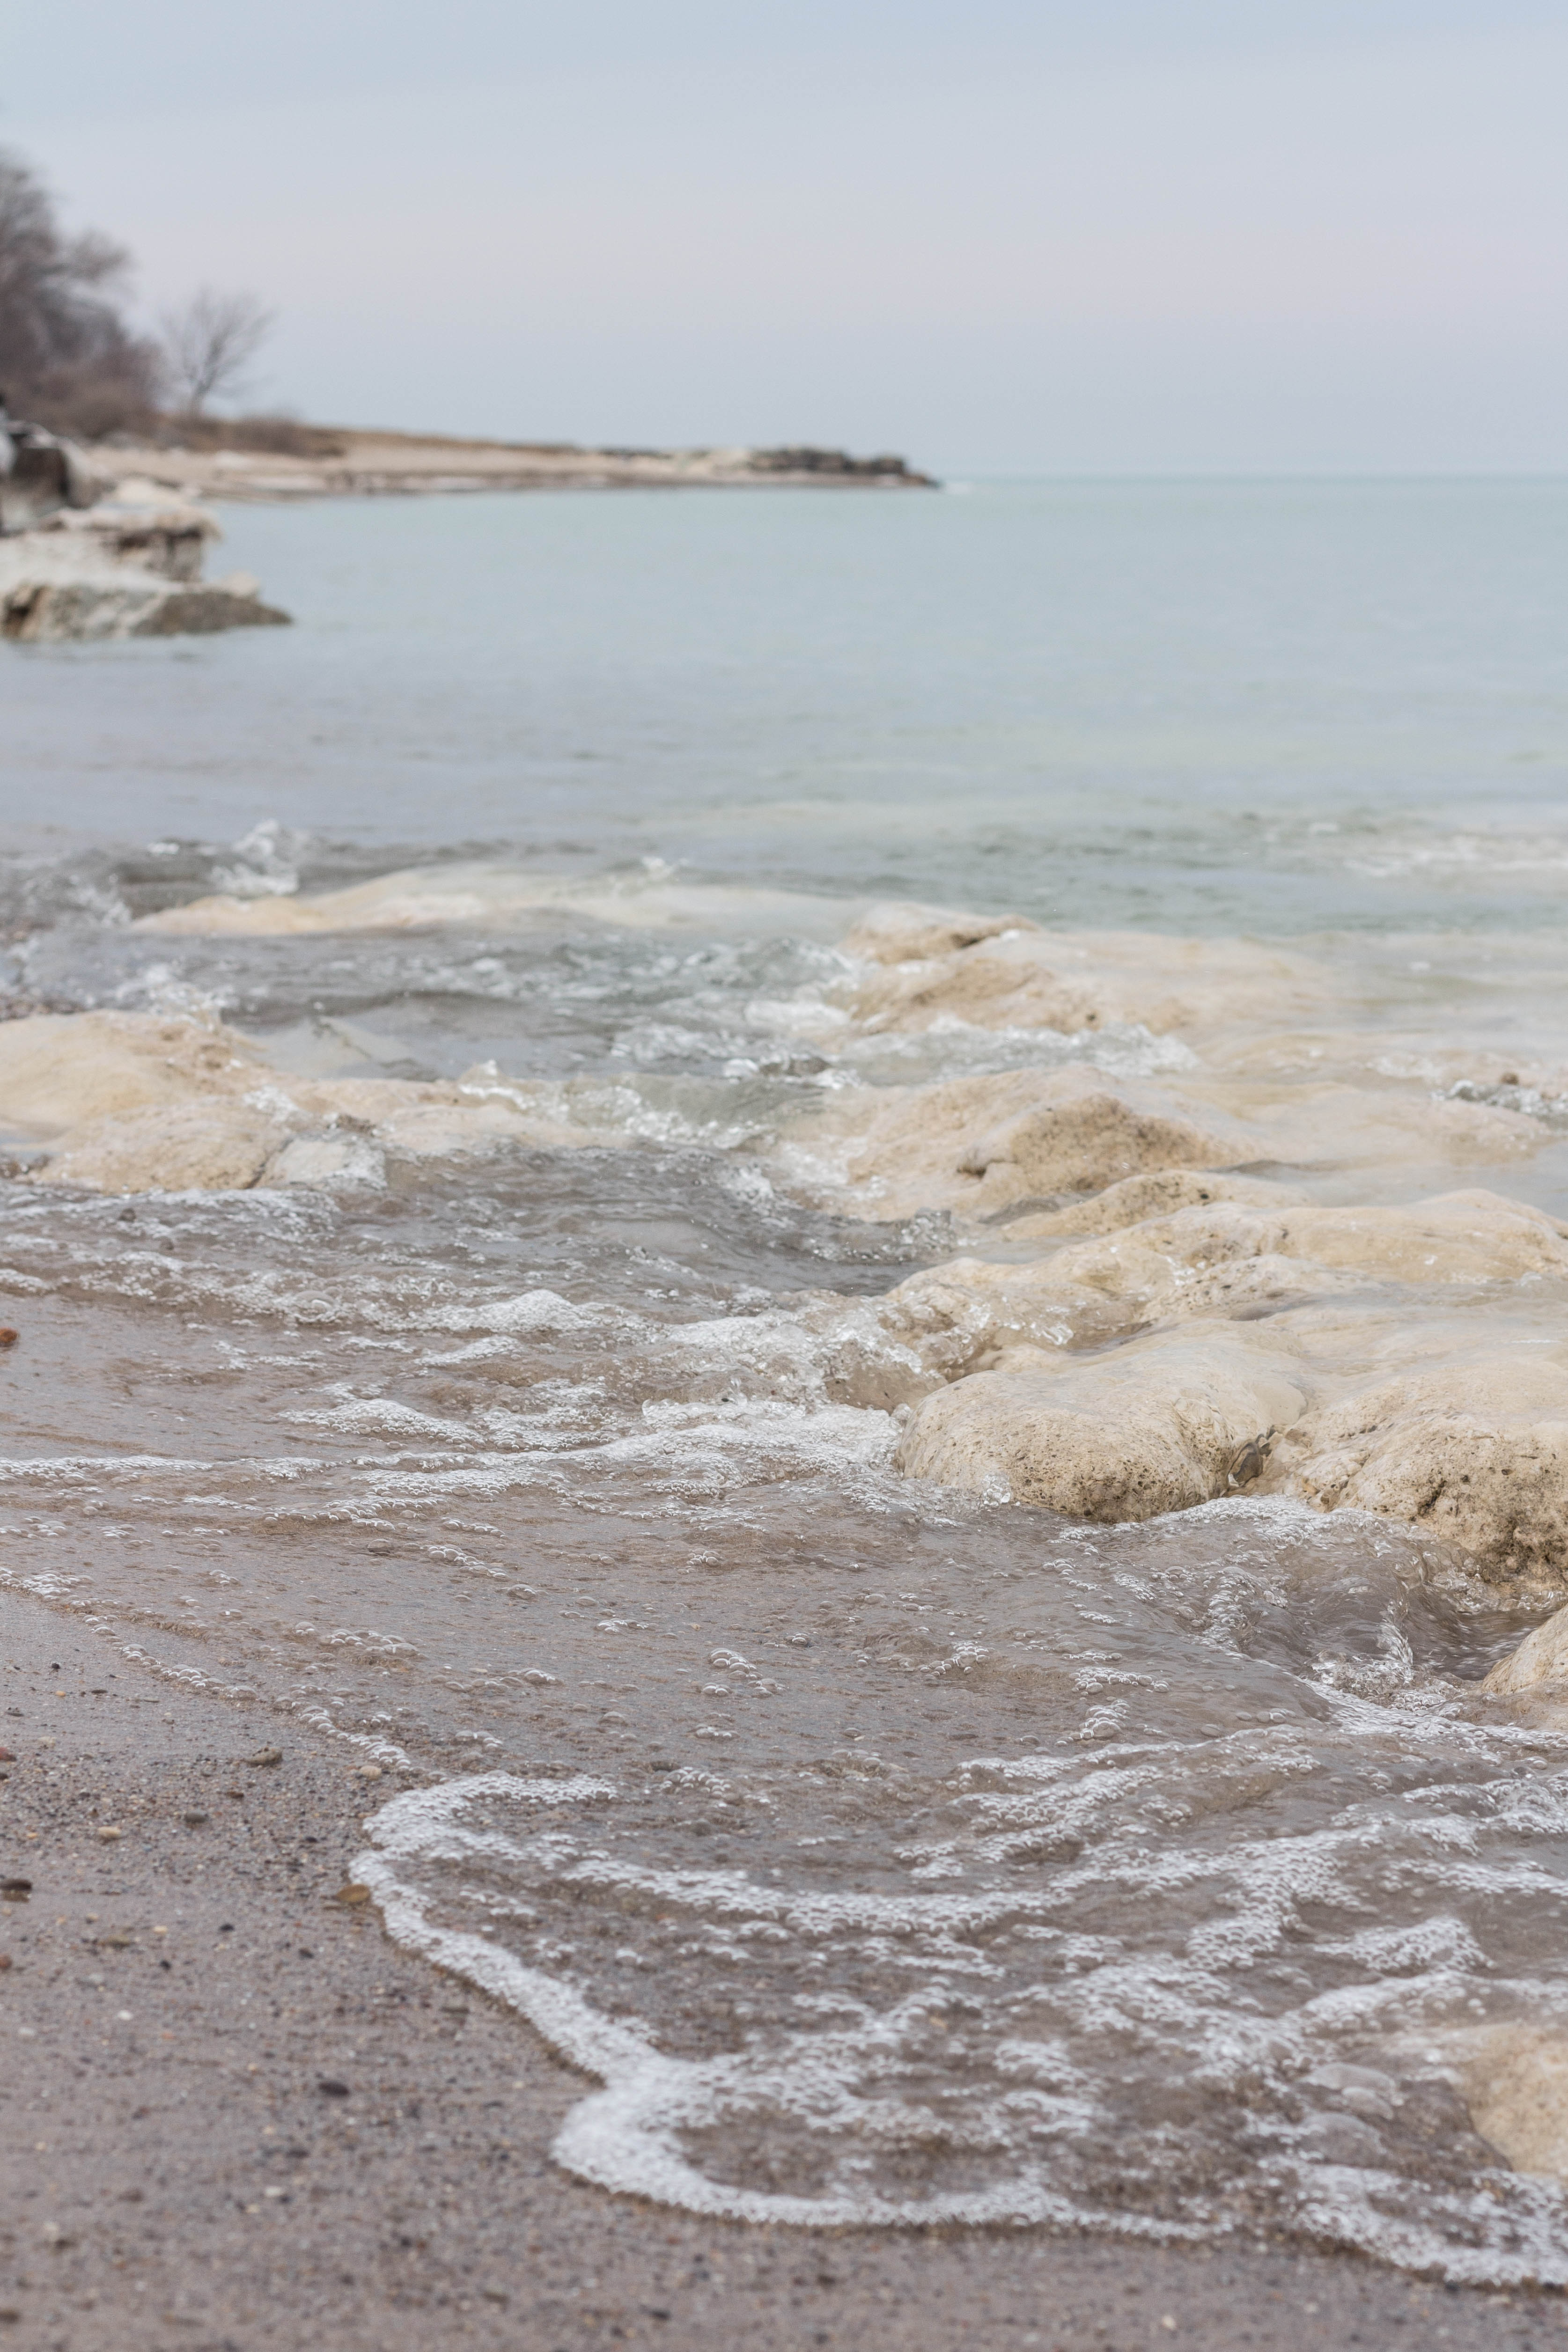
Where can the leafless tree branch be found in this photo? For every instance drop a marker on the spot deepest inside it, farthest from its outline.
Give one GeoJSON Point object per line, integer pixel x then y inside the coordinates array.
{"type": "Point", "coordinates": [209, 342]}
{"type": "Point", "coordinates": [66, 356]}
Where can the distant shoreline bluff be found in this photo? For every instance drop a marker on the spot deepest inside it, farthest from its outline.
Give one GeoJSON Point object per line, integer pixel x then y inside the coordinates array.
{"type": "Point", "coordinates": [319, 461]}
{"type": "Point", "coordinates": [110, 541]}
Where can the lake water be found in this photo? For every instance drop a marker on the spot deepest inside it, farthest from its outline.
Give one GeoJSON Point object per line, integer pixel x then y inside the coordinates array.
{"type": "Point", "coordinates": [889, 1849]}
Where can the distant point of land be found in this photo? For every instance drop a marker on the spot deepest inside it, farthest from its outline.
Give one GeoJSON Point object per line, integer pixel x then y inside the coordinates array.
{"type": "Point", "coordinates": [279, 458]}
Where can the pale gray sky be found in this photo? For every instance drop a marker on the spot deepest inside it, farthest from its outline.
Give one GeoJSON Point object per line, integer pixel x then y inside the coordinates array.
{"type": "Point", "coordinates": [1116, 235]}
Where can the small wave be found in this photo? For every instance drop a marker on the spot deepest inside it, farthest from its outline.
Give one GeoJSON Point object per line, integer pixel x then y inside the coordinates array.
{"type": "Point", "coordinates": [864, 2051]}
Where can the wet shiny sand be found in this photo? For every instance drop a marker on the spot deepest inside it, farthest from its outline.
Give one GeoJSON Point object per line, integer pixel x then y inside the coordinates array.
{"type": "Point", "coordinates": [178, 2175]}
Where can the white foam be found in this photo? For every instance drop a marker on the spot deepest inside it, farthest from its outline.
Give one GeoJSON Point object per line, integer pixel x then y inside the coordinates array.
{"type": "Point", "coordinates": [834, 2083]}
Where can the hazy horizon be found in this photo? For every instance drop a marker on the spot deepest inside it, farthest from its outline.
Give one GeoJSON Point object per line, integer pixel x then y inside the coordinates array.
{"type": "Point", "coordinates": [1279, 240]}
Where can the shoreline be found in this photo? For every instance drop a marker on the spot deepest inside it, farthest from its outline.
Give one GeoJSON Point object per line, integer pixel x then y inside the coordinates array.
{"type": "Point", "coordinates": [319, 461]}
{"type": "Point", "coordinates": [175, 2164]}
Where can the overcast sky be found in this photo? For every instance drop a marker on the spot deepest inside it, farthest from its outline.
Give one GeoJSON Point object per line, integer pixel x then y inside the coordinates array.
{"type": "Point", "coordinates": [1109, 235]}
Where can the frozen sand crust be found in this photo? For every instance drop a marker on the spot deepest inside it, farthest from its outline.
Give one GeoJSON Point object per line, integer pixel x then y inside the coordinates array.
{"type": "Point", "coordinates": [134, 1102]}
{"type": "Point", "coordinates": [1153, 1427]}
{"type": "Point", "coordinates": [903, 966]}
{"type": "Point", "coordinates": [1515, 2082]}
{"type": "Point", "coordinates": [1159, 1192]}
{"type": "Point", "coordinates": [1473, 1451]}
{"type": "Point", "coordinates": [1222, 1257]}
{"type": "Point", "coordinates": [128, 1102]}
{"type": "Point", "coordinates": [60, 1071]}
{"type": "Point", "coordinates": [1538, 1668]}
{"type": "Point", "coordinates": [979, 1146]}
{"type": "Point", "coordinates": [913, 965]}
{"type": "Point", "coordinates": [1475, 1456]}
{"type": "Point", "coordinates": [428, 898]}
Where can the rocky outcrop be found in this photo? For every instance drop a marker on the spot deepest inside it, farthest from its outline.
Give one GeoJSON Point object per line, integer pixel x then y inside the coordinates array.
{"type": "Point", "coordinates": [42, 606]}
{"type": "Point", "coordinates": [128, 565]}
{"type": "Point", "coordinates": [40, 475]}
{"type": "Point", "coordinates": [1399, 1412]}
{"type": "Point", "coordinates": [909, 967]}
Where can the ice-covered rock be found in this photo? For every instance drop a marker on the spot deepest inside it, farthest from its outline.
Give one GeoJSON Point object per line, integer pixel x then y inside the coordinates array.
{"type": "Point", "coordinates": [128, 565]}
{"type": "Point", "coordinates": [1156, 1426]}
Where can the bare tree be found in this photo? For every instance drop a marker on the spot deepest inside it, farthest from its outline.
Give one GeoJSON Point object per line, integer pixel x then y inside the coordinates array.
{"type": "Point", "coordinates": [66, 356]}
{"type": "Point", "coordinates": [209, 343]}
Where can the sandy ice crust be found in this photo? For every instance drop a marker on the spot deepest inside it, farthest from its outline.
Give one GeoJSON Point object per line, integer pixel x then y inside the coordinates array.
{"type": "Point", "coordinates": [1182, 1356]}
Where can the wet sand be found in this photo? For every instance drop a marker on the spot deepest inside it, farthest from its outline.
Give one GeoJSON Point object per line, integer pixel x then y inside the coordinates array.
{"type": "Point", "coordinates": [173, 2172]}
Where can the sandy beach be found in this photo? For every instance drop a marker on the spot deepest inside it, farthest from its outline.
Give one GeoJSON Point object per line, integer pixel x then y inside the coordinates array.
{"type": "Point", "coordinates": [177, 2173]}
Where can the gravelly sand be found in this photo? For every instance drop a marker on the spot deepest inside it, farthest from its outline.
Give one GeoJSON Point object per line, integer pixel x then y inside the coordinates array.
{"type": "Point", "coordinates": [173, 2173]}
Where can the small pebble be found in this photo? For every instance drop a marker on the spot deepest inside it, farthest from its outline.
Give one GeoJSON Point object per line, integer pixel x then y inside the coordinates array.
{"type": "Point", "coordinates": [353, 1895]}
{"type": "Point", "coordinates": [194, 1821]}
{"type": "Point", "coordinates": [4, 1961]}
{"type": "Point", "coordinates": [107, 1836]}
{"type": "Point", "coordinates": [266, 1756]}
{"type": "Point", "coordinates": [333, 2090]}
{"type": "Point", "coordinates": [8, 1337]}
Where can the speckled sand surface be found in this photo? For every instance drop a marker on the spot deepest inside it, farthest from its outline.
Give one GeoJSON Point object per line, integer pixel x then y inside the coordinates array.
{"type": "Point", "coordinates": [173, 2173]}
